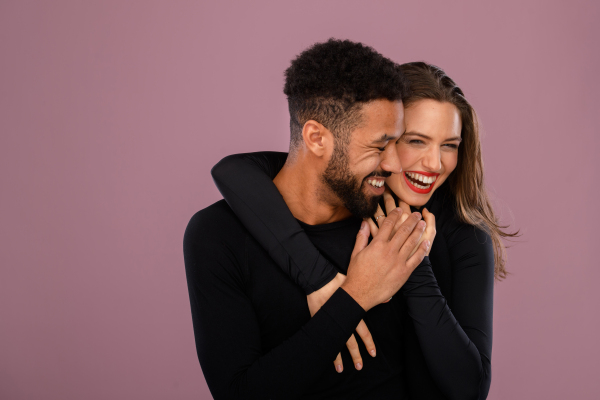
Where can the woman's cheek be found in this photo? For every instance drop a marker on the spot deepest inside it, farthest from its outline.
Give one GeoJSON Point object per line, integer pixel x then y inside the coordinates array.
{"type": "Point", "coordinates": [451, 162]}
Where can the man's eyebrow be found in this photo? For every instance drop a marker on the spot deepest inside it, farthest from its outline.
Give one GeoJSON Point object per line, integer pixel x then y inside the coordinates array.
{"type": "Point", "coordinates": [384, 138]}
{"type": "Point", "coordinates": [427, 137]}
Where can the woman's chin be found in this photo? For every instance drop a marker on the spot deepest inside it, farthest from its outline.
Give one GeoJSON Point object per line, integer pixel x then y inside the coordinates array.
{"type": "Point", "coordinates": [414, 199]}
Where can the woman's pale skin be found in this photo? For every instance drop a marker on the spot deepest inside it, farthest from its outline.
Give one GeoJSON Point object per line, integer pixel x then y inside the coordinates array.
{"type": "Point", "coordinates": [428, 153]}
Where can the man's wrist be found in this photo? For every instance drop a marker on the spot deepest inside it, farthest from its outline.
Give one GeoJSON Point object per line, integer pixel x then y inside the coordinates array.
{"type": "Point", "coordinates": [356, 295]}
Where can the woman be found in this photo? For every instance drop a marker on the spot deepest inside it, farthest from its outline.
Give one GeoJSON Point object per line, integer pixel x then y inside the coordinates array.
{"type": "Point", "coordinates": [446, 307]}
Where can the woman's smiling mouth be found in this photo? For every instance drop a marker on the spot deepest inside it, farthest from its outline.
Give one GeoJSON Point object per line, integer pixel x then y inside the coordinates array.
{"type": "Point", "coordinates": [420, 182]}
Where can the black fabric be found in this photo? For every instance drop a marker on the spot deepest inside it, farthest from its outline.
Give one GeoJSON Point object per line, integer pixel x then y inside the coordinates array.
{"type": "Point", "coordinates": [279, 232]}
{"type": "Point", "coordinates": [255, 338]}
{"type": "Point", "coordinates": [447, 353]}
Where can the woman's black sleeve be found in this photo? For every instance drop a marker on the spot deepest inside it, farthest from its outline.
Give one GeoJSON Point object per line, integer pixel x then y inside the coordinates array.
{"type": "Point", "coordinates": [246, 183]}
{"type": "Point", "coordinates": [457, 343]}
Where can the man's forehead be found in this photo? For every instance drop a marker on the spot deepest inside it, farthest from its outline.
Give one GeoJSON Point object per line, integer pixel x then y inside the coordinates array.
{"type": "Point", "coordinates": [381, 121]}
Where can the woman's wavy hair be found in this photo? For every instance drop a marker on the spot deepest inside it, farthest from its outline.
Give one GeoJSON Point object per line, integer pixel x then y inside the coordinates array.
{"type": "Point", "coordinates": [426, 81]}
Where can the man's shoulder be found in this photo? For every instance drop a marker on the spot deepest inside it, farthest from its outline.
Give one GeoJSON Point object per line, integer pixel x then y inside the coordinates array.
{"type": "Point", "coordinates": [214, 244]}
{"type": "Point", "coordinates": [215, 222]}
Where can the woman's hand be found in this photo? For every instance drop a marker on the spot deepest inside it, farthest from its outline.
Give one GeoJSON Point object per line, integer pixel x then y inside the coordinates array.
{"type": "Point", "coordinates": [390, 205]}
{"type": "Point", "coordinates": [316, 300]}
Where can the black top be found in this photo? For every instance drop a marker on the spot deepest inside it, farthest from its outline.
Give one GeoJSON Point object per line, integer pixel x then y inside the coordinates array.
{"type": "Point", "coordinates": [254, 334]}
{"type": "Point", "coordinates": [447, 353]}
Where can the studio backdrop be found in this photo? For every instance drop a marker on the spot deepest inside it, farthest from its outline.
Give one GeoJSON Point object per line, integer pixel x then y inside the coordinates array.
{"type": "Point", "coordinates": [113, 112]}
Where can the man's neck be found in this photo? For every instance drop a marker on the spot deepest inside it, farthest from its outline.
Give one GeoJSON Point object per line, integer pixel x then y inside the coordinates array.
{"type": "Point", "coordinates": [306, 196]}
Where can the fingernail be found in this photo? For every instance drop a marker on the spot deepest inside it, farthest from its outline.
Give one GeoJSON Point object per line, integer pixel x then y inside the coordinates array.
{"type": "Point", "coordinates": [372, 352]}
{"type": "Point", "coordinates": [417, 214]}
{"type": "Point", "coordinates": [358, 366]}
{"type": "Point", "coordinates": [338, 368]}
{"type": "Point", "coordinates": [422, 224]}
{"type": "Point", "coordinates": [427, 244]}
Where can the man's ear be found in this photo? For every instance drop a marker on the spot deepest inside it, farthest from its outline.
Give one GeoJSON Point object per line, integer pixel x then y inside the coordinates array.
{"type": "Point", "coordinates": [317, 138]}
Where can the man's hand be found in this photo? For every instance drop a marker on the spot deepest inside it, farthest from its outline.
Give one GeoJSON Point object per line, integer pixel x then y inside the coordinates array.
{"type": "Point", "coordinates": [378, 270]}
{"type": "Point", "coordinates": [316, 300]}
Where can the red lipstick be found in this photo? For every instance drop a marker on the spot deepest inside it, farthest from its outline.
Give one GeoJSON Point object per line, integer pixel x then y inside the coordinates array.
{"type": "Point", "coordinates": [416, 189]}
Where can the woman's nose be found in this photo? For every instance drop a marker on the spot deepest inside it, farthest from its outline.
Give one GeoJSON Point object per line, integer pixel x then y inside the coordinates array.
{"type": "Point", "coordinates": [432, 160]}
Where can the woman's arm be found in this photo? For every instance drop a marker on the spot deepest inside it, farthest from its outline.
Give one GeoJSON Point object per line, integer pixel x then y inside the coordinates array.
{"type": "Point", "coordinates": [457, 343]}
{"type": "Point", "coordinates": [227, 328]}
{"type": "Point", "coordinates": [246, 183]}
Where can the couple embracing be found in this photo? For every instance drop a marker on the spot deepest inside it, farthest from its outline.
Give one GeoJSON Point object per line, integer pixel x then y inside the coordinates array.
{"type": "Point", "coordinates": [360, 265]}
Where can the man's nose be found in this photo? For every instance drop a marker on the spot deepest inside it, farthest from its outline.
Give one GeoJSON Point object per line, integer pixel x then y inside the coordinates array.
{"type": "Point", "coordinates": [432, 159]}
{"type": "Point", "coordinates": [389, 159]}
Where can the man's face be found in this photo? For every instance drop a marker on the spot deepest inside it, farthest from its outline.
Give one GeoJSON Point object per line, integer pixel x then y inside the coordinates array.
{"type": "Point", "coordinates": [356, 171]}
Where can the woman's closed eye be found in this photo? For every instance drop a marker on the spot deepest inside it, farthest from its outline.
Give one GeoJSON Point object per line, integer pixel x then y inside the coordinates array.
{"type": "Point", "coordinates": [410, 141]}
{"type": "Point", "coordinates": [452, 146]}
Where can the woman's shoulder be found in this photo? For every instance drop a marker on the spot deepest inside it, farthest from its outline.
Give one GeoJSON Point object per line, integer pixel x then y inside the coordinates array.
{"type": "Point", "coordinates": [448, 221]}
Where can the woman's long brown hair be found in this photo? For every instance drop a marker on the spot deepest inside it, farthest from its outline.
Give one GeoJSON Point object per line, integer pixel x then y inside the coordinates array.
{"type": "Point", "coordinates": [466, 182]}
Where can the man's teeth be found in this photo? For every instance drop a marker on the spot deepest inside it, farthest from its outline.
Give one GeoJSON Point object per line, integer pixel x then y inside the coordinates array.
{"type": "Point", "coordinates": [376, 183]}
{"type": "Point", "coordinates": [425, 181]}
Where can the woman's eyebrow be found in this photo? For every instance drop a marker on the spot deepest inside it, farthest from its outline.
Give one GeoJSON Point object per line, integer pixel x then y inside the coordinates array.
{"type": "Point", "coordinates": [427, 137]}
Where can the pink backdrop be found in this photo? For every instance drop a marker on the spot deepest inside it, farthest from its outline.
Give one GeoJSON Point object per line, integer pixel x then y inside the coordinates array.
{"type": "Point", "coordinates": [112, 113]}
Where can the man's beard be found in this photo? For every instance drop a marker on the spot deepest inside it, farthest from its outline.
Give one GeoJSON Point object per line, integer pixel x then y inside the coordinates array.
{"type": "Point", "coordinates": [347, 187]}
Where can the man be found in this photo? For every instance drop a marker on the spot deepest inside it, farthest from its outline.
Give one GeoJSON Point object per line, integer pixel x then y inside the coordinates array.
{"type": "Point", "coordinates": [254, 334]}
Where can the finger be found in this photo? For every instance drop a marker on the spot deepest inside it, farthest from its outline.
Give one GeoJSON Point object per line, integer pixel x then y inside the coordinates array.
{"type": "Point", "coordinates": [386, 228]}
{"type": "Point", "coordinates": [362, 238]}
{"type": "Point", "coordinates": [430, 231]}
{"type": "Point", "coordinates": [399, 222]}
{"type": "Point", "coordinates": [366, 337]}
{"type": "Point", "coordinates": [372, 226]}
{"type": "Point", "coordinates": [413, 240]}
{"type": "Point", "coordinates": [354, 352]}
{"type": "Point", "coordinates": [404, 233]}
{"type": "Point", "coordinates": [339, 366]}
{"type": "Point", "coordinates": [389, 201]}
{"type": "Point", "coordinates": [379, 216]}
{"type": "Point", "coordinates": [406, 208]}
{"type": "Point", "coordinates": [416, 258]}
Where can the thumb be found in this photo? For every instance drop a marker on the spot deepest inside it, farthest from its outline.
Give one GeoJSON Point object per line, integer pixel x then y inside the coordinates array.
{"type": "Point", "coordinates": [362, 239]}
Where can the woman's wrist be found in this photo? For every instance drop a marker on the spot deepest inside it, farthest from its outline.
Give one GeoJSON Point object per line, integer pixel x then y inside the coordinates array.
{"type": "Point", "coordinates": [317, 298]}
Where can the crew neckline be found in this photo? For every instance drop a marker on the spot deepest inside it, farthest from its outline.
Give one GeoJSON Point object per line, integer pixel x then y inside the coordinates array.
{"type": "Point", "coordinates": [352, 220]}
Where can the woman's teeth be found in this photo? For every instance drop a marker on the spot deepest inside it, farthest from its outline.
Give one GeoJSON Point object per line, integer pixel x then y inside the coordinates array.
{"type": "Point", "coordinates": [421, 181]}
{"type": "Point", "coordinates": [375, 183]}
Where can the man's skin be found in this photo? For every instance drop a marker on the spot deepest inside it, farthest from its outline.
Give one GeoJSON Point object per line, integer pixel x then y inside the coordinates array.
{"type": "Point", "coordinates": [377, 270]}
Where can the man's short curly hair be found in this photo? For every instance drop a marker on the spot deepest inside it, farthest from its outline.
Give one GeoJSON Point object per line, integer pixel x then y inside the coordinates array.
{"type": "Point", "coordinates": [329, 82]}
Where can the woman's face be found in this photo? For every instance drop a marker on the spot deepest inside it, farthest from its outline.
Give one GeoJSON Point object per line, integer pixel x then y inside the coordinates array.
{"type": "Point", "coordinates": [428, 150]}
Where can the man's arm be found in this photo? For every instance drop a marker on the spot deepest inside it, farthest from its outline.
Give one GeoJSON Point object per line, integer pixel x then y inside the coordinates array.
{"type": "Point", "coordinates": [227, 332]}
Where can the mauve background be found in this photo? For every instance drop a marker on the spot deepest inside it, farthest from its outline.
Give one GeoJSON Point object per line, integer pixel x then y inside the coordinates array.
{"type": "Point", "coordinates": [112, 114]}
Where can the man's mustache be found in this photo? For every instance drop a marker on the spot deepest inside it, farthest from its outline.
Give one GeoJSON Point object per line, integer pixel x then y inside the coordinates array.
{"type": "Point", "coordinates": [382, 174]}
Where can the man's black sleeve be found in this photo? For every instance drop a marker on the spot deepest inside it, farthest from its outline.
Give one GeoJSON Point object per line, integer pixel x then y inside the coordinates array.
{"type": "Point", "coordinates": [246, 183]}
{"type": "Point", "coordinates": [457, 343]}
{"type": "Point", "coordinates": [226, 328]}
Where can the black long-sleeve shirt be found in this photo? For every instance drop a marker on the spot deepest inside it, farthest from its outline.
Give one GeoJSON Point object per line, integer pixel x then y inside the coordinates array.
{"type": "Point", "coordinates": [447, 353]}
{"type": "Point", "coordinates": [254, 335]}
